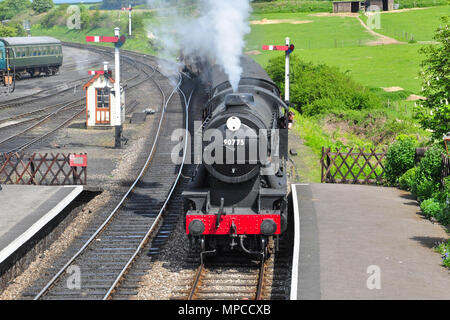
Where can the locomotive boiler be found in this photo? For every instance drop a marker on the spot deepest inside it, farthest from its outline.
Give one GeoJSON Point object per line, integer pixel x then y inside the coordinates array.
{"type": "Point", "coordinates": [237, 199]}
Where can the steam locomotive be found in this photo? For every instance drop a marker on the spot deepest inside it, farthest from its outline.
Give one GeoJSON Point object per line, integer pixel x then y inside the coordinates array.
{"type": "Point", "coordinates": [237, 199]}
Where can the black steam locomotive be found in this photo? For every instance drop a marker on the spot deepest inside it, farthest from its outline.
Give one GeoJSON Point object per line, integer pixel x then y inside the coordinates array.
{"type": "Point", "coordinates": [238, 195]}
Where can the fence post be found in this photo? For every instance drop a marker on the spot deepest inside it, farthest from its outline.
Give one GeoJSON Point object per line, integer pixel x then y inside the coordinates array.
{"type": "Point", "coordinates": [322, 165]}
{"type": "Point", "coordinates": [328, 177]}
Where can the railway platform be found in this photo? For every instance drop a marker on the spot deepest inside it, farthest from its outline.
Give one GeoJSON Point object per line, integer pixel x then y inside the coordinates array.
{"type": "Point", "coordinates": [364, 242]}
{"type": "Point", "coordinates": [25, 210]}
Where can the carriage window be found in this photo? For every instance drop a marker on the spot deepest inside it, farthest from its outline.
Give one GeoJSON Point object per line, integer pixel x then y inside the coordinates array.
{"type": "Point", "coordinates": [1, 55]}
{"type": "Point", "coordinates": [102, 98]}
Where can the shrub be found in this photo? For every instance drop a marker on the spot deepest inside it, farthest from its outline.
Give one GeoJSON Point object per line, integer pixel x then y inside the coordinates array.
{"type": "Point", "coordinates": [406, 181]}
{"type": "Point", "coordinates": [444, 250]}
{"type": "Point", "coordinates": [400, 158]}
{"type": "Point", "coordinates": [425, 189]}
{"type": "Point", "coordinates": [40, 6]}
{"type": "Point", "coordinates": [429, 171]}
{"type": "Point", "coordinates": [318, 89]}
{"type": "Point", "coordinates": [431, 208]}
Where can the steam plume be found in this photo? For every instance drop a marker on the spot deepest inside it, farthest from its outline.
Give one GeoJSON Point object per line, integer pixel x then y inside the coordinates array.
{"type": "Point", "coordinates": [216, 35]}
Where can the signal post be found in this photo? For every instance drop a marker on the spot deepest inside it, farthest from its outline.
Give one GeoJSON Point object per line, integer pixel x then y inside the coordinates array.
{"type": "Point", "coordinates": [118, 42]}
{"type": "Point", "coordinates": [288, 48]}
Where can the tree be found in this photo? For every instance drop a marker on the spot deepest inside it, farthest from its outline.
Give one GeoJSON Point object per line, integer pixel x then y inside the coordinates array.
{"type": "Point", "coordinates": [40, 6]}
{"type": "Point", "coordinates": [434, 113]}
{"type": "Point", "coordinates": [6, 31]}
{"type": "Point", "coordinates": [9, 8]}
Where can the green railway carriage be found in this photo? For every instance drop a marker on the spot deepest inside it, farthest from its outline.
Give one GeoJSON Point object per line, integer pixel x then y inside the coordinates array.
{"type": "Point", "coordinates": [30, 55]}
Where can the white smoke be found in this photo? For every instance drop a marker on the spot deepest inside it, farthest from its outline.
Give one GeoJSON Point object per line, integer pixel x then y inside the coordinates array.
{"type": "Point", "coordinates": [216, 34]}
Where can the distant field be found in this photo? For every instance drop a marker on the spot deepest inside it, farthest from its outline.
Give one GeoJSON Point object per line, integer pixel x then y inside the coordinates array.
{"type": "Point", "coordinates": [311, 32]}
{"type": "Point", "coordinates": [420, 23]}
{"type": "Point", "coordinates": [340, 41]}
{"type": "Point", "coordinates": [378, 66]}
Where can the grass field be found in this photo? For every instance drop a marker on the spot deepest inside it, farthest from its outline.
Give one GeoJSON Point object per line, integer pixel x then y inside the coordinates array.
{"type": "Point", "coordinates": [312, 32]}
{"type": "Point", "coordinates": [340, 41]}
{"type": "Point", "coordinates": [420, 23]}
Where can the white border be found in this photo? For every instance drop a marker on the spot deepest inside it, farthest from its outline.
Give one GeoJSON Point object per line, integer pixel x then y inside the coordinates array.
{"type": "Point", "coordinates": [295, 258]}
{"type": "Point", "coordinates": [38, 225]}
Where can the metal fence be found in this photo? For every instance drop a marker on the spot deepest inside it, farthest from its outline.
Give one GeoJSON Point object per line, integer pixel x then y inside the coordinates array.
{"type": "Point", "coordinates": [43, 169]}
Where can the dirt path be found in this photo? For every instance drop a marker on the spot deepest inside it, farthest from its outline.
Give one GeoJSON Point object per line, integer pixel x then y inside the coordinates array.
{"type": "Point", "coordinates": [382, 39]}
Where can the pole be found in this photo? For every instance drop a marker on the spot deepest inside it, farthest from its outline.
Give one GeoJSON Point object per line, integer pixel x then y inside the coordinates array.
{"type": "Point", "coordinates": [118, 113]}
{"type": "Point", "coordinates": [286, 76]}
{"type": "Point", "coordinates": [129, 19]}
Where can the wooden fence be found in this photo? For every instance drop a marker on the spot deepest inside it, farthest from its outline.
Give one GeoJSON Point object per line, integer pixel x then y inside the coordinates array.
{"type": "Point", "coordinates": [360, 167]}
{"type": "Point", "coordinates": [352, 166]}
{"type": "Point", "coordinates": [42, 169]}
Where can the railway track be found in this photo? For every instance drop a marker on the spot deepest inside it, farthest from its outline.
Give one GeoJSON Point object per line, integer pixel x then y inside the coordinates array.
{"type": "Point", "coordinates": [62, 116]}
{"type": "Point", "coordinates": [109, 252]}
{"type": "Point", "coordinates": [234, 276]}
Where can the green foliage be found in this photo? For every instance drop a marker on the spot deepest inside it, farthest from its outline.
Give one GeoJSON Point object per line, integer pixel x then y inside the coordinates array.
{"type": "Point", "coordinates": [431, 208]}
{"type": "Point", "coordinates": [51, 19]}
{"type": "Point", "coordinates": [425, 189]}
{"type": "Point", "coordinates": [291, 6]}
{"type": "Point", "coordinates": [400, 158]}
{"type": "Point", "coordinates": [406, 181]}
{"type": "Point", "coordinates": [421, 3]}
{"type": "Point", "coordinates": [319, 89]}
{"type": "Point", "coordinates": [444, 250]}
{"type": "Point", "coordinates": [434, 113]}
{"type": "Point", "coordinates": [9, 8]}
{"type": "Point", "coordinates": [7, 31]}
{"type": "Point", "coordinates": [40, 6]}
{"type": "Point", "coordinates": [428, 172]}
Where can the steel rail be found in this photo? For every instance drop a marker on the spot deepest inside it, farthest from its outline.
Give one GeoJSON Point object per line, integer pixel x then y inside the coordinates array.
{"type": "Point", "coordinates": [116, 209]}
{"type": "Point", "coordinates": [67, 106]}
{"type": "Point", "coordinates": [164, 206]}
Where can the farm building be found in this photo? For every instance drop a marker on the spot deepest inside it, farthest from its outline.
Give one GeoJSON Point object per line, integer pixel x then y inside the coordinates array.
{"type": "Point", "coordinates": [346, 6]}
{"type": "Point", "coordinates": [355, 6]}
{"type": "Point", "coordinates": [384, 5]}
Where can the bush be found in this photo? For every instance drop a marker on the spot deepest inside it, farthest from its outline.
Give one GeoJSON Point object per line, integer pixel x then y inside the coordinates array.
{"type": "Point", "coordinates": [425, 189]}
{"type": "Point", "coordinates": [429, 169]}
{"type": "Point", "coordinates": [40, 6]}
{"type": "Point", "coordinates": [406, 181]}
{"type": "Point", "coordinates": [444, 250]}
{"type": "Point", "coordinates": [318, 89]}
{"type": "Point", "coordinates": [400, 158]}
{"type": "Point", "coordinates": [431, 207]}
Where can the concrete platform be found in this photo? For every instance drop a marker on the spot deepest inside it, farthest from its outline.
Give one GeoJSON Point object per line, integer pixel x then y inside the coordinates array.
{"type": "Point", "coordinates": [24, 210]}
{"type": "Point", "coordinates": [364, 242]}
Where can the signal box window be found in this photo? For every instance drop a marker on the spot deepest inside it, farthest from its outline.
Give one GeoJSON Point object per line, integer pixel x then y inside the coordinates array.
{"type": "Point", "coordinates": [102, 98]}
